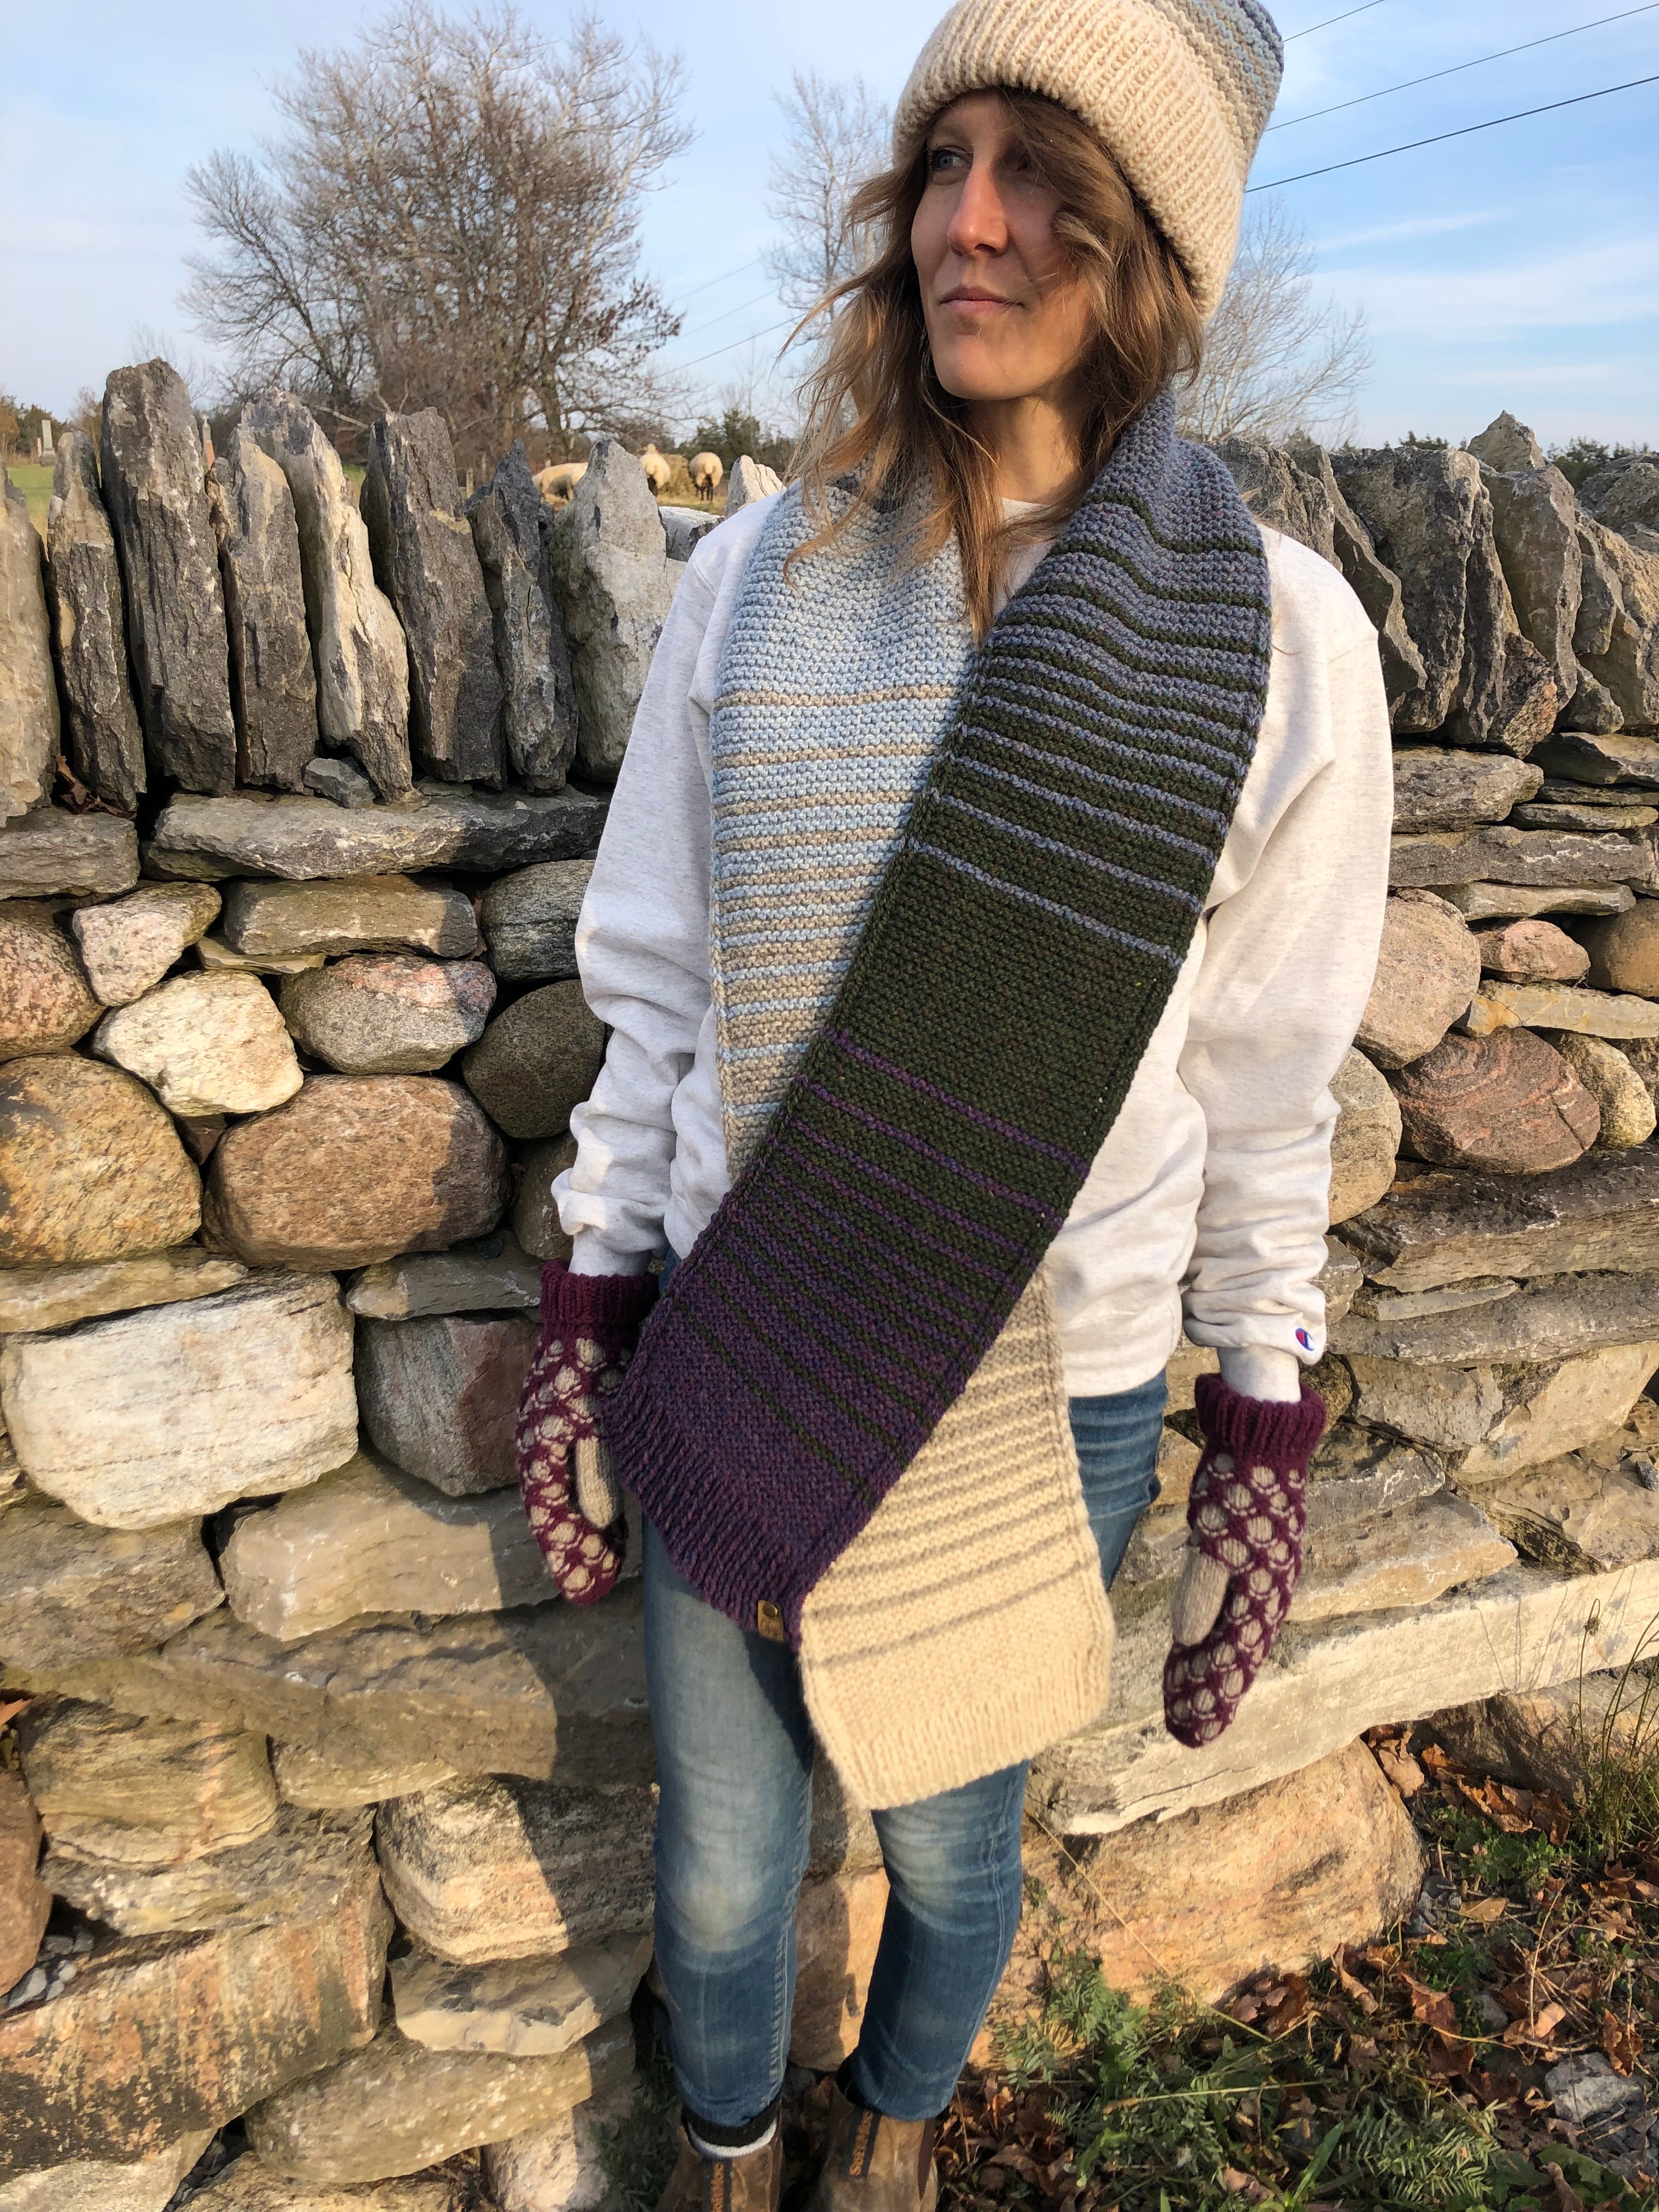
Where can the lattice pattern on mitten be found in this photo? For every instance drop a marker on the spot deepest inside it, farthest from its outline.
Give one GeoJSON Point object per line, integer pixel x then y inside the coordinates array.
{"type": "Point", "coordinates": [590, 1325]}
{"type": "Point", "coordinates": [1247, 1513]}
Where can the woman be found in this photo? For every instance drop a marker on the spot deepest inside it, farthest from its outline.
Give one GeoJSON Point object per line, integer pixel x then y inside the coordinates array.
{"type": "Point", "coordinates": [991, 891]}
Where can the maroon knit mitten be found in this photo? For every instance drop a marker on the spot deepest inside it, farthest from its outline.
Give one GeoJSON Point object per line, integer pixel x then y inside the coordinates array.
{"type": "Point", "coordinates": [1246, 1513]}
{"type": "Point", "coordinates": [590, 1326]}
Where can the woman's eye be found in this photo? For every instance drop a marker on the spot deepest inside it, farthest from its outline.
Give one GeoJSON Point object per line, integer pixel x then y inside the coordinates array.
{"type": "Point", "coordinates": [941, 159]}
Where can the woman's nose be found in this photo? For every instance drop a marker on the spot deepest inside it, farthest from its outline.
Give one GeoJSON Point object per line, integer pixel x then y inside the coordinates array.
{"type": "Point", "coordinates": [979, 222]}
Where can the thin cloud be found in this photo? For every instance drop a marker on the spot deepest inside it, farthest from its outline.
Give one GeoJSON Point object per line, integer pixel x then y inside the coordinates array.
{"type": "Point", "coordinates": [1422, 226]}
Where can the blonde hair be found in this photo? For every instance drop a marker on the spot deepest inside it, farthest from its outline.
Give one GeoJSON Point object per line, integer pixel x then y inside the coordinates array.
{"type": "Point", "coordinates": [907, 435]}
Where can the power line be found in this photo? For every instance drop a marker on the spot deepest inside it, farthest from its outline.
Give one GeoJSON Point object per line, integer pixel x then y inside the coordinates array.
{"type": "Point", "coordinates": [748, 339]}
{"type": "Point", "coordinates": [1441, 136]}
{"type": "Point", "coordinates": [1330, 19]}
{"type": "Point", "coordinates": [743, 306]}
{"type": "Point", "coordinates": [709, 282]}
{"type": "Point", "coordinates": [1480, 62]}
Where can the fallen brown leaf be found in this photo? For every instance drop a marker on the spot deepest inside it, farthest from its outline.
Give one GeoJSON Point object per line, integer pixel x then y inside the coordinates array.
{"type": "Point", "coordinates": [1400, 1768]}
{"type": "Point", "coordinates": [1349, 1983]}
{"type": "Point", "coordinates": [1535, 2031]}
{"type": "Point", "coordinates": [1486, 1910]}
{"type": "Point", "coordinates": [1434, 2008]}
{"type": "Point", "coordinates": [1621, 2041]}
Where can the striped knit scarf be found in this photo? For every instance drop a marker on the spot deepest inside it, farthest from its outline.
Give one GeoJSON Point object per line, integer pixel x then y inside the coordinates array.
{"type": "Point", "coordinates": [1074, 783]}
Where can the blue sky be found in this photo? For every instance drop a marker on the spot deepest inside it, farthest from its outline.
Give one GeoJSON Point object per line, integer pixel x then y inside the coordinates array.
{"type": "Point", "coordinates": [1517, 268]}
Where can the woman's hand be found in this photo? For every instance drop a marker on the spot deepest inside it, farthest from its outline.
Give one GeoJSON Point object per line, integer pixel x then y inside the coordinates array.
{"type": "Point", "coordinates": [1245, 1520]}
{"type": "Point", "coordinates": [590, 1326]}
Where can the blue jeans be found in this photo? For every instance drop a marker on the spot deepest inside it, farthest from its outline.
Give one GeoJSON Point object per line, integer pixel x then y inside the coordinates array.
{"type": "Point", "coordinates": [734, 1760]}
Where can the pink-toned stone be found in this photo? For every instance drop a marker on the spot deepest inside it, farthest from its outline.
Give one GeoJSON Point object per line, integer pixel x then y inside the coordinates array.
{"type": "Point", "coordinates": [1532, 951]}
{"type": "Point", "coordinates": [837, 1928]}
{"type": "Point", "coordinates": [90, 1165]}
{"type": "Point", "coordinates": [25, 1900]}
{"type": "Point", "coordinates": [1507, 1102]}
{"type": "Point", "coordinates": [1427, 970]}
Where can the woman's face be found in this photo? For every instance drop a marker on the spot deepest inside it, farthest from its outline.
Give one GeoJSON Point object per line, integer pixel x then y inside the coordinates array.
{"type": "Point", "coordinates": [1007, 313]}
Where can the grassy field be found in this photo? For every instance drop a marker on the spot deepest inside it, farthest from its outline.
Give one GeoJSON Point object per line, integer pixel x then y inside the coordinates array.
{"type": "Point", "coordinates": [35, 484]}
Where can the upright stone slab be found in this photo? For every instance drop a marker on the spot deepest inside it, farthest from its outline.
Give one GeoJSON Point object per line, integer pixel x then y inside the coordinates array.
{"type": "Point", "coordinates": [362, 662]}
{"type": "Point", "coordinates": [1430, 521]}
{"type": "Point", "coordinates": [158, 2035]}
{"type": "Point", "coordinates": [493, 1869]}
{"type": "Point", "coordinates": [70, 1591]}
{"type": "Point", "coordinates": [1618, 637]}
{"type": "Point", "coordinates": [439, 1397]}
{"type": "Point", "coordinates": [28, 696]}
{"type": "Point", "coordinates": [356, 1170]}
{"type": "Point", "coordinates": [273, 685]}
{"type": "Point", "coordinates": [510, 527]}
{"type": "Point", "coordinates": [750, 480]}
{"type": "Point", "coordinates": [1535, 527]}
{"type": "Point", "coordinates": [149, 1417]}
{"type": "Point", "coordinates": [101, 732]}
{"type": "Point", "coordinates": [609, 565]}
{"type": "Point", "coordinates": [91, 1168]}
{"type": "Point", "coordinates": [153, 491]}
{"type": "Point", "coordinates": [426, 562]}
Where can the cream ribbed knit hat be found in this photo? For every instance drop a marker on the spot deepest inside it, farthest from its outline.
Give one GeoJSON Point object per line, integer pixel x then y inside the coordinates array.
{"type": "Point", "coordinates": [1179, 90]}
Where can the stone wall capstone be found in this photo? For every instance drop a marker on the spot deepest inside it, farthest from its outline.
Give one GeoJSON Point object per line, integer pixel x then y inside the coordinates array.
{"type": "Point", "coordinates": [289, 1038]}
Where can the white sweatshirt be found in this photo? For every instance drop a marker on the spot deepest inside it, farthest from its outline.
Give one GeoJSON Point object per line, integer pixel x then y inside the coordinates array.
{"type": "Point", "coordinates": [1207, 1202]}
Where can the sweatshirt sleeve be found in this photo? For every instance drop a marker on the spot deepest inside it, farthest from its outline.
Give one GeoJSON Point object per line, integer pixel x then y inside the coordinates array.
{"type": "Point", "coordinates": [642, 951]}
{"type": "Point", "coordinates": [1289, 961]}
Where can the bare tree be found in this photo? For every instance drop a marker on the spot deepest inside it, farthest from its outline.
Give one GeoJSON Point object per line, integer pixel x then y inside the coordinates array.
{"type": "Point", "coordinates": [451, 219]}
{"type": "Point", "coordinates": [836, 137]}
{"type": "Point", "coordinates": [1277, 359]}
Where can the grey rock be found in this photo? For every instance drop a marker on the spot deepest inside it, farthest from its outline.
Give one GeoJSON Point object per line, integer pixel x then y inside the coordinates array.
{"type": "Point", "coordinates": [1430, 521]}
{"type": "Point", "coordinates": [389, 1013]}
{"type": "Point", "coordinates": [1558, 790]}
{"type": "Point", "coordinates": [1626, 607]}
{"type": "Point", "coordinates": [1448, 1408]}
{"type": "Point", "coordinates": [1516, 902]}
{"type": "Point", "coordinates": [273, 685]}
{"type": "Point", "coordinates": [685, 528]}
{"type": "Point", "coordinates": [1372, 1301]}
{"type": "Point", "coordinates": [360, 913]}
{"type": "Point", "coordinates": [544, 1690]}
{"type": "Point", "coordinates": [1508, 445]}
{"type": "Point", "coordinates": [128, 946]}
{"type": "Point", "coordinates": [1584, 2088]}
{"type": "Point", "coordinates": [492, 1276]}
{"type": "Point", "coordinates": [309, 1778]}
{"type": "Point", "coordinates": [1554, 814]}
{"type": "Point", "coordinates": [331, 776]}
{"type": "Point", "coordinates": [302, 1866]}
{"type": "Point", "coordinates": [299, 839]}
{"type": "Point", "coordinates": [397, 2107]}
{"type": "Point", "coordinates": [1626, 1105]}
{"type": "Point", "coordinates": [750, 480]}
{"type": "Point", "coordinates": [70, 1591]}
{"type": "Point", "coordinates": [522, 2008]}
{"type": "Point", "coordinates": [439, 1396]}
{"type": "Point", "coordinates": [1357, 1474]}
{"type": "Point", "coordinates": [1438, 788]}
{"type": "Point", "coordinates": [1338, 1278]}
{"type": "Point", "coordinates": [530, 920]}
{"type": "Point", "coordinates": [510, 526]}
{"type": "Point", "coordinates": [608, 565]}
{"type": "Point", "coordinates": [252, 2185]}
{"type": "Point", "coordinates": [1366, 1139]}
{"type": "Point", "coordinates": [427, 564]}
{"type": "Point", "coordinates": [139, 1793]}
{"type": "Point", "coordinates": [1555, 1318]}
{"type": "Point", "coordinates": [214, 953]}
{"type": "Point", "coordinates": [362, 662]}
{"type": "Point", "coordinates": [370, 1538]}
{"type": "Point", "coordinates": [29, 696]}
{"type": "Point", "coordinates": [1537, 859]}
{"type": "Point", "coordinates": [1428, 969]}
{"type": "Point", "coordinates": [495, 1869]}
{"type": "Point", "coordinates": [1440, 1226]}
{"type": "Point", "coordinates": [535, 1211]}
{"type": "Point", "coordinates": [145, 1417]}
{"type": "Point", "coordinates": [103, 739]}
{"type": "Point", "coordinates": [157, 505]}
{"type": "Point", "coordinates": [50, 853]}
{"type": "Point", "coordinates": [1378, 589]}
{"type": "Point", "coordinates": [1625, 496]}
{"type": "Point", "coordinates": [1535, 528]}
{"type": "Point", "coordinates": [1615, 767]}
{"type": "Point", "coordinates": [537, 1060]}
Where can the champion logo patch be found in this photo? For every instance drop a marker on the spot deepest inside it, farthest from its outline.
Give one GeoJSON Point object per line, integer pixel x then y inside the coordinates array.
{"type": "Point", "coordinates": [1304, 1339]}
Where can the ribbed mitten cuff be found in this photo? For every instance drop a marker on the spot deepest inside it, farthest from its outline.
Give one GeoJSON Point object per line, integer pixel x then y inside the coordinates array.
{"type": "Point", "coordinates": [595, 1300]}
{"type": "Point", "coordinates": [1260, 1431]}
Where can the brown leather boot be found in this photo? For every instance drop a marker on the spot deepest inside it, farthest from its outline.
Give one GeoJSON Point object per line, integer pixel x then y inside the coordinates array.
{"type": "Point", "coordinates": [875, 2164]}
{"type": "Point", "coordinates": [752, 2183]}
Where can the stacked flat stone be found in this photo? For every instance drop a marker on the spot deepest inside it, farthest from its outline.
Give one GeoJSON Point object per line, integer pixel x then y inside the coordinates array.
{"type": "Point", "coordinates": [285, 1077]}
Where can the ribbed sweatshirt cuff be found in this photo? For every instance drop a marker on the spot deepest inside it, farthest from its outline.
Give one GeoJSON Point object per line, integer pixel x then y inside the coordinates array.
{"type": "Point", "coordinates": [596, 1301]}
{"type": "Point", "coordinates": [1260, 1431]}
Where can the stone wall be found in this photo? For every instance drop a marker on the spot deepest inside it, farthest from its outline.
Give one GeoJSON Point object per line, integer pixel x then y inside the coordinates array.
{"type": "Point", "coordinates": [317, 1811]}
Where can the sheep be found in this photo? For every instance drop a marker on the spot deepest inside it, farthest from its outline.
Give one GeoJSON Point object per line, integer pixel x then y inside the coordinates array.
{"type": "Point", "coordinates": [657, 470]}
{"type": "Point", "coordinates": [706, 473]}
{"type": "Point", "coordinates": [559, 479]}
